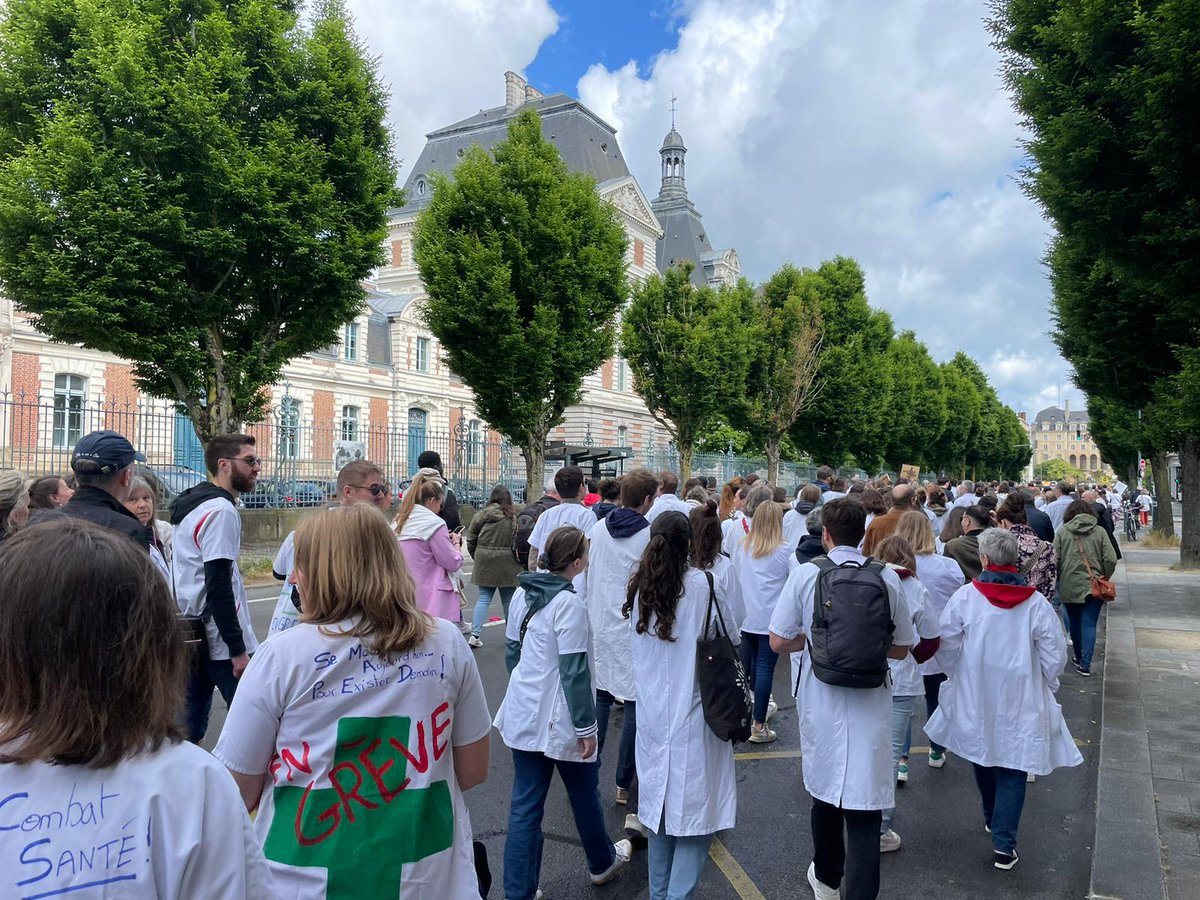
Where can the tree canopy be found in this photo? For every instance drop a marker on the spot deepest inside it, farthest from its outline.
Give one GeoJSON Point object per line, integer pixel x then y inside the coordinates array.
{"type": "Point", "coordinates": [524, 267]}
{"type": "Point", "coordinates": [199, 187]}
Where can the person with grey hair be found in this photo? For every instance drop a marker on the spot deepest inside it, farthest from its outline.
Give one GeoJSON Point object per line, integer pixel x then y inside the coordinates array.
{"type": "Point", "coordinates": [810, 547]}
{"type": "Point", "coordinates": [1003, 651]}
{"type": "Point", "coordinates": [142, 502]}
{"type": "Point", "coordinates": [758, 494]}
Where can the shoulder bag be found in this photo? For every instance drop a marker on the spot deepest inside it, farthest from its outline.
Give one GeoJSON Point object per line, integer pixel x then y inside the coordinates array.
{"type": "Point", "coordinates": [725, 693]}
{"type": "Point", "coordinates": [1102, 588]}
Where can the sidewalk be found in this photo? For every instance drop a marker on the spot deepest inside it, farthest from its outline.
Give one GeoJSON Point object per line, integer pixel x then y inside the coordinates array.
{"type": "Point", "coordinates": [1147, 843]}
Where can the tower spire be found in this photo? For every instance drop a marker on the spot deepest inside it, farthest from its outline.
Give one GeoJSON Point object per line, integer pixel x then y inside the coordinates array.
{"type": "Point", "coordinates": [673, 99]}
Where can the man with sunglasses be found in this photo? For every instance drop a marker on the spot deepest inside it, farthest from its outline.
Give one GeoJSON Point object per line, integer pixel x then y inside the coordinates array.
{"type": "Point", "coordinates": [206, 544]}
{"type": "Point", "coordinates": [359, 481]}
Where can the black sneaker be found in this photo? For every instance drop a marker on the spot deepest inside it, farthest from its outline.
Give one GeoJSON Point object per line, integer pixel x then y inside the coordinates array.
{"type": "Point", "coordinates": [1085, 671]}
{"type": "Point", "coordinates": [1004, 860]}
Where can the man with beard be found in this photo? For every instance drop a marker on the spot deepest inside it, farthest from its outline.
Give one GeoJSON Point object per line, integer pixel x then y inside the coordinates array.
{"type": "Point", "coordinates": [206, 544]}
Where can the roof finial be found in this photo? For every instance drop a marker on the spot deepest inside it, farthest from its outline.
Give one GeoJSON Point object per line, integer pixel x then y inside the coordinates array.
{"type": "Point", "coordinates": [673, 99]}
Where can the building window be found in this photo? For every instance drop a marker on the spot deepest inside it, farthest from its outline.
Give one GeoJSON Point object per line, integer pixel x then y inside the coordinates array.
{"type": "Point", "coordinates": [422, 354]}
{"type": "Point", "coordinates": [350, 341]}
{"type": "Point", "coordinates": [622, 436]}
{"type": "Point", "coordinates": [289, 428]}
{"type": "Point", "coordinates": [622, 375]}
{"type": "Point", "coordinates": [69, 395]}
{"type": "Point", "coordinates": [349, 423]}
{"type": "Point", "coordinates": [475, 443]}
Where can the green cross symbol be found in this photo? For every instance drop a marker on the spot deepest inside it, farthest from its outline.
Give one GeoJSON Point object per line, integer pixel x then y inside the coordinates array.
{"type": "Point", "coordinates": [370, 823]}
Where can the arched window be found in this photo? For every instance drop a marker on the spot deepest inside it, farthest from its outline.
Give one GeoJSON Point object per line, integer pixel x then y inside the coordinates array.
{"type": "Point", "coordinates": [1072, 460]}
{"type": "Point", "coordinates": [70, 391]}
{"type": "Point", "coordinates": [1095, 467]}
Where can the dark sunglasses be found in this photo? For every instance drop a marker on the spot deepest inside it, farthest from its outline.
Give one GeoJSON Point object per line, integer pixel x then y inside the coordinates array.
{"type": "Point", "coordinates": [377, 490]}
{"type": "Point", "coordinates": [248, 460]}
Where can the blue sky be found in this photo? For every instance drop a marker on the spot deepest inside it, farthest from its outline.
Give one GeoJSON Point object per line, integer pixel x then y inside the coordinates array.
{"type": "Point", "coordinates": [607, 32]}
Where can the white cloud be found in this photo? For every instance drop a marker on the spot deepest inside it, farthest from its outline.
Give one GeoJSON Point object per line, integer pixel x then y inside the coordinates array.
{"type": "Point", "coordinates": [444, 60]}
{"type": "Point", "coordinates": [881, 131]}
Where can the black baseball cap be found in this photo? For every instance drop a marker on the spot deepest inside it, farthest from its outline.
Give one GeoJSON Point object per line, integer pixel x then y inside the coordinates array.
{"type": "Point", "coordinates": [109, 450]}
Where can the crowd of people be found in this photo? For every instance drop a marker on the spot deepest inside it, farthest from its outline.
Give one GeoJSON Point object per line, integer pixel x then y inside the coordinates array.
{"type": "Point", "coordinates": [357, 726]}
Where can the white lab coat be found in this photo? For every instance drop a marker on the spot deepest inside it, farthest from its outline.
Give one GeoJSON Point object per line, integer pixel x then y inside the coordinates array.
{"type": "Point", "coordinates": [733, 531]}
{"type": "Point", "coordinates": [941, 577]}
{"type": "Point", "coordinates": [906, 675]}
{"type": "Point", "coordinates": [686, 777]}
{"type": "Point", "coordinates": [611, 561]}
{"type": "Point", "coordinates": [794, 527]}
{"type": "Point", "coordinates": [664, 502]}
{"type": "Point", "coordinates": [728, 588]}
{"type": "Point", "coordinates": [534, 714]}
{"type": "Point", "coordinates": [845, 733]}
{"type": "Point", "coordinates": [998, 706]}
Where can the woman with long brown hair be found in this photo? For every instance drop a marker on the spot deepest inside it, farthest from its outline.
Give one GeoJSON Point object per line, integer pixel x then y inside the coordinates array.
{"type": "Point", "coordinates": [357, 731]}
{"type": "Point", "coordinates": [489, 541]}
{"type": "Point", "coordinates": [90, 743]}
{"type": "Point", "coordinates": [687, 785]}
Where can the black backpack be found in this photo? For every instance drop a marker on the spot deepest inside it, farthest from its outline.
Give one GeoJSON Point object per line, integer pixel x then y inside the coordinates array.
{"type": "Point", "coordinates": [526, 519]}
{"type": "Point", "coordinates": [852, 624]}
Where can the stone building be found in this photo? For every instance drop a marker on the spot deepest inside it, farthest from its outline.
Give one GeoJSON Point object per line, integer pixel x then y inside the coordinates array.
{"type": "Point", "coordinates": [1063, 434]}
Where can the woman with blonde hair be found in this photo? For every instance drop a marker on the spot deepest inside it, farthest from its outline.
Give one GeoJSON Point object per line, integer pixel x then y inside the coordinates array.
{"type": "Point", "coordinates": [761, 562]}
{"type": "Point", "coordinates": [14, 501]}
{"type": "Point", "coordinates": [941, 576]}
{"type": "Point", "coordinates": [363, 722]}
{"type": "Point", "coordinates": [430, 551]}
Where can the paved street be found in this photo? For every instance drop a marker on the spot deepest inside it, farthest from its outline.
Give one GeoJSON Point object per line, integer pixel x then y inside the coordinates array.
{"type": "Point", "coordinates": [946, 854]}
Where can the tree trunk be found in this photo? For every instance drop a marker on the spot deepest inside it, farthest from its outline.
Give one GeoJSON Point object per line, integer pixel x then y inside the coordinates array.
{"type": "Point", "coordinates": [772, 449]}
{"type": "Point", "coordinates": [534, 451]}
{"type": "Point", "coordinates": [1189, 461]}
{"type": "Point", "coordinates": [685, 461]}
{"type": "Point", "coordinates": [1162, 491]}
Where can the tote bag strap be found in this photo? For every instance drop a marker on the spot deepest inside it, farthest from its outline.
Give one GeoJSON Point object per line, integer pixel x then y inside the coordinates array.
{"type": "Point", "coordinates": [713, 605]}
{"type": "Point", "coordinates": [1086, 562]}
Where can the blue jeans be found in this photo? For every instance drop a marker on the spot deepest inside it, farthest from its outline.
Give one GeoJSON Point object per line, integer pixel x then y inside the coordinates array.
{"type": "Point", "coordinates": [1003, 795]}
{"type": "Point", "coordinates": [1081, 622]}
{"type": "Point", "coordinates": [523, 847]}
{"type": "Point", "coordinates": [626, 766]}
{"type": "Point", "coordinates": [485, 601]}
{"type": "Point", "coordinates": [933, 687]}
{"type": "Point", "coordinates": [675, 864]}
{"type": "Point", "coordinates": [204, 675]}
{"type": "Point", "coordinates": [903, 709]}
{"type": "Point", "coordinates": [759, 660]}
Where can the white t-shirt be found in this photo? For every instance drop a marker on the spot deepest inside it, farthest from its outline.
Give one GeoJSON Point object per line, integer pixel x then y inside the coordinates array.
{"type": "Point", "coordinates": [534, 715]}
{"type": "Point", "coordinates": [359, 785]}
{"type": "Point", "coordinates": [759, 582]}
{"type": "Point", "coordinates": [664, 502]}
{"type": "Point", "coordinates": [557, 516]}
{"type": "Point", "coordinates": [167, 825]}
{"type": "Point", "coordinates": [286, 615]}
{"type": "Point", "coordinates": [845, 733]}
{"type": "Point", "coordinates": [211, 531]}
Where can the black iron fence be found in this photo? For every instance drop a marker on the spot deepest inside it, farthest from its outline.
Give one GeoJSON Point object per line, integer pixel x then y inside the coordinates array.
{"type": "Point", "coordinates": [301, 457]}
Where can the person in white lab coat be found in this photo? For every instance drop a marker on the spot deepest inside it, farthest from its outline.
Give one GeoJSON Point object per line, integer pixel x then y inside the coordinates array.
{"type": "Point", "coordinates": [941, 576]}
{"type": "Point", "coordinates": [548, 716]}
{"type": "Point", "coordinates": [906, 676]}
{"type": "Point", "coordinates": [761, 562]}
{"type": "Point", "coordinates": [617, 542]}
{"type": "Point", "coordinates": [94, 764]}
{"type": "Point", "coordinates": [735, 526]}
{"type": "Point", "coordinates": [1004, 651]}
{"type": "Point", "coordinates": [845, 733]}
{"type": "Point", "coordinates": [687, 783]}
{"type": "Point", "coordinates": [705, 554]}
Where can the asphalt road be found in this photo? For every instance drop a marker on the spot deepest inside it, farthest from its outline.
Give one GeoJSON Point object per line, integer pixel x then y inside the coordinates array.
{"type": "Point", "coordinates": [945, 854]}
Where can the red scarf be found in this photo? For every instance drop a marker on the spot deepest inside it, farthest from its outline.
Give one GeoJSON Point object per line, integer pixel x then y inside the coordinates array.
{"type": "Point", "coordinates": [1003, 593]}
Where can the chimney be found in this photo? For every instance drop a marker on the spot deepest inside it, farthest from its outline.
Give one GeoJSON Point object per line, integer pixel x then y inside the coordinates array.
{"type": "Point", "coordinates": [514, 91]}
{"type": "Point", "coordinates": [1021, 416]}
{"type": "Point", "coordinates": [532, 93]}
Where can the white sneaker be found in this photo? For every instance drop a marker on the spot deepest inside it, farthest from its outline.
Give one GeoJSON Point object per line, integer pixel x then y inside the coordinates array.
{"type": "Point", "coordinates": [474, 640]}
{"type": "Point", "coordinates": [634, 826]}
{"type": "Point", "coordinates": [623, 850]}
{"type": "Point", "coordinates": [762, 735]}
{"type": "Point", "coordinates": [821, 891]}
{"type": "Point", "coordinates": [1030, 778]}
{"type": "Point", "coordinates": [889, 841]}
{"type": "Point", "coordinates": [772, 708]}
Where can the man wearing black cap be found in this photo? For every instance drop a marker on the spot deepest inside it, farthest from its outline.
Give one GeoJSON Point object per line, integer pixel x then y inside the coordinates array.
{"type": "Point", "coordinates": [103, 465]}
{"type": "Point", "coordinates": [431, 460]}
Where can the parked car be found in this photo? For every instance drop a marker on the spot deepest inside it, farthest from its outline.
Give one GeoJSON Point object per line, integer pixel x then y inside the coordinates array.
{"type": "Point", "coordinates": [326, 486]}
{"type": "Point", "coordinates": [172, 480]}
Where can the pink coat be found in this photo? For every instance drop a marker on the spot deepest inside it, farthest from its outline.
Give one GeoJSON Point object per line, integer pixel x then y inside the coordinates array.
{"type": "Point", "coordinates": [430, 564]}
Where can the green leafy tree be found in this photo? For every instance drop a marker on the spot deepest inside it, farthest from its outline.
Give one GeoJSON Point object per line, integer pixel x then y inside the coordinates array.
{"type": "Point", "coordinates": [524, 266]}
{"type": "Point", "coordinates": [848, 417]}
{"type": "Point", "coordinates": [686, 348]}
{"type": "Point", "coordinates": [198, 187]}
{"type": "Point", "coordinates": [785, 353]}
{"type": "Point", "coordinates": [962, 409]}
{"type": "Point", "coordinates": [918, 404]}
{"type": "Point", "coordinates": [1118, 433]}
{"type": "Point", "coordinates": [1108, 90]}
{"type": "Point", "coordinates": [1058, 470]}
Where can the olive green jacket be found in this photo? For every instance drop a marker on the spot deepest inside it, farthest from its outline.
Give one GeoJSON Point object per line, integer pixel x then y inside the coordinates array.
{"type": "Point", "coordinates": [1073, 583]}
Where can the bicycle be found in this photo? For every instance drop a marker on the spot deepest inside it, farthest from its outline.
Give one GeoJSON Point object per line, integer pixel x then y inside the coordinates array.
{"type": "Point", "coordinates": [1130, 511]}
